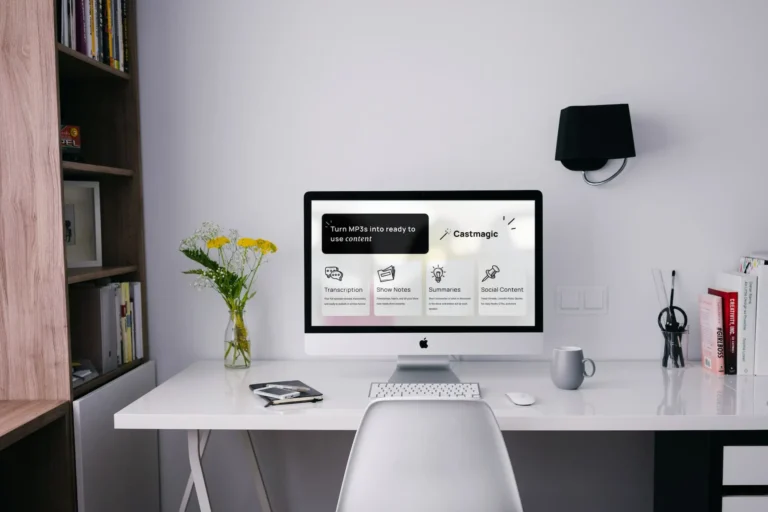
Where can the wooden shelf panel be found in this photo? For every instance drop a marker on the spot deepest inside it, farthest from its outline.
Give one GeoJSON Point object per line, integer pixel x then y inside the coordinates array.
{"type": "Point", "coordinates": [75, 65]}
{"type": "Point", "coordinates": [81, 168]}
{"type": "Point", "coordinates": [19, 418]}
{"type": "Point", "coordinates": [87, 387]}
{"type": "Point", "coordinates": [81, 275]}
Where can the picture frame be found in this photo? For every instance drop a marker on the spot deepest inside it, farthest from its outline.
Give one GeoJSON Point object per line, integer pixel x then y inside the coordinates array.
{"type": "Point", "coordinates": [82, 223]}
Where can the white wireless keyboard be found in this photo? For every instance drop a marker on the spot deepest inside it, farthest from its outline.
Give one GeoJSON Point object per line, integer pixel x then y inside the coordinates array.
{"type": "Point", "coordinates": [398, 389]}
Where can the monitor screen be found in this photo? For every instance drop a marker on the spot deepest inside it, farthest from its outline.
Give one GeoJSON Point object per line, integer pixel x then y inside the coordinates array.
{"type": "Point", "coordinates": [423, 262]}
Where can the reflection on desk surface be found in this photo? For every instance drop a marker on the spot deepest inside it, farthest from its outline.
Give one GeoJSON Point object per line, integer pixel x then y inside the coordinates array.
{"type": "Point", "coordinates": [621, 396]}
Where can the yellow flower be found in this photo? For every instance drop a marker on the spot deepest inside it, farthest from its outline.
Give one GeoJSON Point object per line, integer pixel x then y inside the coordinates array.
{"type": "Point", "coordinates": [218, 242]}
{"type": "Point", "coordinates": [266, 246]}
{"type": "Point", "coordinates": [247, 242]}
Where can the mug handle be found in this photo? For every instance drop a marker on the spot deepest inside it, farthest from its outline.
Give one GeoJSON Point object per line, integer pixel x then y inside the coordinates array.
{"type": "Point", "coordinates": [594, 368]}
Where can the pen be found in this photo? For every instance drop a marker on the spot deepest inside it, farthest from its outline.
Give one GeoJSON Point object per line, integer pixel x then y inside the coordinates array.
{"type": "Point", "coordinates": [289, 388]}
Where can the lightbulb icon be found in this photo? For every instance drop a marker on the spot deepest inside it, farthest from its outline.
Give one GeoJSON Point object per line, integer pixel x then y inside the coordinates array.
{"type": "Point", "coordinates": [438, 272]}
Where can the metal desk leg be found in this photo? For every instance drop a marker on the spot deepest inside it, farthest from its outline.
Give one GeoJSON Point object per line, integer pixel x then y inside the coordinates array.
{"type": "Point", "coordinates": [193, 447]}
{"type": "Point", "coordinates": [190, 483]}
{"type": "Point", "coordinates": [261, 489]}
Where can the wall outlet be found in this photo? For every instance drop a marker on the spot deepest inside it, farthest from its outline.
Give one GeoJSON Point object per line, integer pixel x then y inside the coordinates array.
{"type": "Point", "coordinates": [582, 300]}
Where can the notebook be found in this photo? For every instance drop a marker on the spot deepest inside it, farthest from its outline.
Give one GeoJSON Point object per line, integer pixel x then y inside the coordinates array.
{"type": "Point", "coordinates": [312, 395]}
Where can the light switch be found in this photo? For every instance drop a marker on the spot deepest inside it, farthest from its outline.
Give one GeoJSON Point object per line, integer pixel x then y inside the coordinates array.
{"type": "Point", "coordinates": [570, 298]}
{"type": "Point", "coordinates": [595, 298]}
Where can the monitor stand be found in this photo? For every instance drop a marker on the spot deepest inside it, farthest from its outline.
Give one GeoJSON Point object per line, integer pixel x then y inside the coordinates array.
{"type": "Point", "coordinates": [424, 369]}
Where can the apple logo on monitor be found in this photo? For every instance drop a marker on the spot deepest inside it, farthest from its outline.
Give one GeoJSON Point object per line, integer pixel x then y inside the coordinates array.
{"type": "Point", "coordinates": [423, 343]}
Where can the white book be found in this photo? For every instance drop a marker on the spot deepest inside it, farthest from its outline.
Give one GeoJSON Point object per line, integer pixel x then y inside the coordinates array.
{"type": "Point", "coordinates": [108, 329]}
{"type": "Point", "coordinates": [64, 22]}
{"type": "Point", "coordinates": [87, 19]}
{"type": "Point", "coordinates": [138, 334]}
{"type": "Point", "coordinates": [119, 21]}
{"type": "Point", "coordinates": [72, 25]}
{"type": "Point", "coordinates": [118, 295]}
{"type": "Point", "coordinates": [756, 265]}
{"type": "Point", "coordinates": [746, 286]}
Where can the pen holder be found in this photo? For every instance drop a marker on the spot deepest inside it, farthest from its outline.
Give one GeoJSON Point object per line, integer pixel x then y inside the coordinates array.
{"type": "Point", "coordinates": [674, 349]}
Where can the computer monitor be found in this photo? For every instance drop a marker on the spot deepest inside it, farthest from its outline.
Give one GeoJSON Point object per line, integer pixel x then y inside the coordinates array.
{"type": "Point", "coordinates": [423, 273]}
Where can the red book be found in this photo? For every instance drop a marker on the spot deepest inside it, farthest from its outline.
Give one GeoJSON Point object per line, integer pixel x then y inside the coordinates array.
{"type": "Point", "coordinates": [730, 321]}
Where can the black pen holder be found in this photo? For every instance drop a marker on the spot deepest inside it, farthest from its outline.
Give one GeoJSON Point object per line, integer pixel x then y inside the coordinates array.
{"type": "Point", "coordinates": [674, 350]}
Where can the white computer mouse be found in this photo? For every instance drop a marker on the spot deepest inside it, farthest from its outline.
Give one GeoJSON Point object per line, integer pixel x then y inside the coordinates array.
{"type": "Point", "coordinates": [521, 399]}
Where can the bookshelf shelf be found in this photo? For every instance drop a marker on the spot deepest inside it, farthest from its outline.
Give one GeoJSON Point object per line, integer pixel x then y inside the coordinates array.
{"type": "Point", "coordinates": [19, 418]}
{"type": "Point", "coordinates": [75, 65]}
{"type": "Point", "coordinates": [75, 169]}
{"type": "Point", "coordinates": [87, 387]}
{"type": "Point", "coordinates": [81, 275]}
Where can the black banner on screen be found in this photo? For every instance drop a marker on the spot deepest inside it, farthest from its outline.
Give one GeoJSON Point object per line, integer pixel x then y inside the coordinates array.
{"type": "Point", "coordinates": [376, 233]}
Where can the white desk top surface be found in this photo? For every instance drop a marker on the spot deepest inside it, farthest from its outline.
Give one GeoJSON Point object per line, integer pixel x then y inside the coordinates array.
{"type": "Point", "coordinates": [621, 396]}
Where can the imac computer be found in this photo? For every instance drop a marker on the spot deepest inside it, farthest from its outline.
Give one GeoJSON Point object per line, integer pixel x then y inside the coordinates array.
{"type": "Point", "coordinates": [423, 276]}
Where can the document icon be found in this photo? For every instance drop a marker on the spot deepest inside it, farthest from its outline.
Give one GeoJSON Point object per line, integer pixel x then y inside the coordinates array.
{"type": "Point", "coordinates": [386, 274]}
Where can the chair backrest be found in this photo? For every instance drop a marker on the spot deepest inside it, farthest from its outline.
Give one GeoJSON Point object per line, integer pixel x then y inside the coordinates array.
{"type": "Point", "coordinates": [429, 455]}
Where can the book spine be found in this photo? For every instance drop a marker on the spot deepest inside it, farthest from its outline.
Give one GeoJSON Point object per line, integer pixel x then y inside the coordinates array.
{"type": "Point", "coordinates": [138, 322]}
{"type": "Point", "coordinates": [110, 45]}
{"type": "Point", "coordinates": [712, 341]}
{"type": "Point", "coordinates": [88, 27]}
{"type": "Point", "coordinates": [91, 39]}
{"type": "Point", "coordinates": [126, 56]}
{"type": "Point", "coordinates": [73, 24]}
{"type": "Point", "coordinates": [80, 25]}
{"type": "Point", "coordinates": [64, 22]}
{"type": "Point", "coordinates": [119, 32]}
{"type": "Point", "coordinates": [117, 296]}
{"type": "Point", "coordinates": [103, 35]}
{"type": "Point", "coordinates": [761, 323]}
{"type": "Point", "coordinates": [748, 314]}
{"type": "Point", "coordinates": [127, 305]}
{"type": "Point", "coordinates": [730, 321]}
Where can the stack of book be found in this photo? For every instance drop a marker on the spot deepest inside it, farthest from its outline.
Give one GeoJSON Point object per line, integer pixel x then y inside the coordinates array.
{"type": "Point", "coordinates": [96, 28]}
{"type": "Point", "coordinates": [106, 324]}
{"type": "Point", "coordinates": [737, 307]}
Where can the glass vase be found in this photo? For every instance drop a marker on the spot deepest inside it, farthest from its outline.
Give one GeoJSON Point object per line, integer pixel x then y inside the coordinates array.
{"type": "Point", "coordinates": [237, 342]}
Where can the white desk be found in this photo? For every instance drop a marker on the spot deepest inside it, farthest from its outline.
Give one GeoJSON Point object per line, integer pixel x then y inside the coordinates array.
{"type": "Point", "coordinates": [622, 396]}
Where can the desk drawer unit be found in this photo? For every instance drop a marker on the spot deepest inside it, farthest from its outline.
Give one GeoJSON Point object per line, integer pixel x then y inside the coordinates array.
{"type": "Point", "coordinates": [745, 465]}
{"type": "Point", "coordinates": [745, 504]}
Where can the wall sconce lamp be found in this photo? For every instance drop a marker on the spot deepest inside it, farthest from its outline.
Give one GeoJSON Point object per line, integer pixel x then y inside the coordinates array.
{"type": "Point", "coordinates": [591, 135]}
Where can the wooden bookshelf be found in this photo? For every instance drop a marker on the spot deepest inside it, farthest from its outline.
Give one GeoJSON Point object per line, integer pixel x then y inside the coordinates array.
{"type": "Point", "coordinates": [36, 456]}
{"type": "Point", "coordinates": [19, 418]}
{"type": "Point", "coordinates": [87, 387]}
{"type": "Point", "coordinates": [75, 65]}
{"type": "Point", "coordinates": [78, 169]}
{"type": "Point", "coordinates": [81, 275]}
{"type": "Point", "coordinates": [104, 103]}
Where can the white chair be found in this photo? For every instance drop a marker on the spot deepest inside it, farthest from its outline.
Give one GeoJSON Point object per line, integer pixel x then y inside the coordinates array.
{"type": "Point", "coordinates": [429, 455]}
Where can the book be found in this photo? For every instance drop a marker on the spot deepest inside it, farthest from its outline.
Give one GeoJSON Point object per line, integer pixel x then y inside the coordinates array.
{"type": "Point", "coordinates": [64, 22]}
{"type": "Point", "coordinates": [93, 325]}
{"type": "Point", "coordinates": [757, 265]}
{"type": "Point", "coordinates": [138, 326]}
{"type": "Point", "coordinates": [730, 321]}
{"type": "Point", "coordinates": [312, 395]}
{"type": "Point", "coordinates": [89, 26]}
{"type": "Point", "coordinates": [110, 41]}
{"type": "Point", "coordinates": [119, 32]}
{"type": "Point", "coordinates": [746, 287]}
{"type": "Point", "coordinates": [103, 48]}
{"type": "Point", "coordinates": [712, 341]}
{"type": "Point", "coordinates": [126, 319]}
{"type": "Point", "coordinates": [118, 309]}
{"type": "Point", "coordinates": [80, 25]}
{"type": "Point", "coordinates": [125, 61]}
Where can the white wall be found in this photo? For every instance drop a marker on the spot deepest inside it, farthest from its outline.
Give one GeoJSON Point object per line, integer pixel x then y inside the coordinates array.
{"type": "Point", "coordinates": [247, 104]}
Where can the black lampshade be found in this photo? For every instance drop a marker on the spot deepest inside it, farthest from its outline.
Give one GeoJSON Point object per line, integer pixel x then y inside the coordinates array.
{"type": "Point", "coordinates": [591, 135]}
